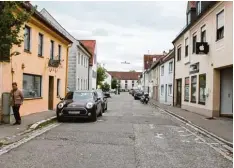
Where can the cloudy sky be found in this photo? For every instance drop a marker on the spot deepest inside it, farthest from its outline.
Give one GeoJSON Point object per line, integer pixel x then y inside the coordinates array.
{"type": "Point", "coordinates": [124, 31]}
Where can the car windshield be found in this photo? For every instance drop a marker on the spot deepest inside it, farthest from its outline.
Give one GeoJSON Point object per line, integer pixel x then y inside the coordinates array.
{"type": "Point", "coordinates": [79, 96]}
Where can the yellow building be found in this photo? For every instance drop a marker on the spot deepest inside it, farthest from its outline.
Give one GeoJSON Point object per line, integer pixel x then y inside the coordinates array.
{"type": "Point", "coordinates": [41, 68]}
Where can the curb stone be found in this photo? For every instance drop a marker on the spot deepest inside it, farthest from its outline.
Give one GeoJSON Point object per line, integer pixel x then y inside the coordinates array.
{"type": "Point", "coordinates": [226, 144]}
{"type": "Point", "coordinates": [37, 124]}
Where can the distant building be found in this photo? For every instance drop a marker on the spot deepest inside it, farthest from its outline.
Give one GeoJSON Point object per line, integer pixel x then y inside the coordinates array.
{"type": "Point", "coordinates": [128, 80]}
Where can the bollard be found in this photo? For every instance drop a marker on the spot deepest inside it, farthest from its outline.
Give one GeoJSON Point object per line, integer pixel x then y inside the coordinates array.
{"type": "Point", "coordinates": [6, 109]}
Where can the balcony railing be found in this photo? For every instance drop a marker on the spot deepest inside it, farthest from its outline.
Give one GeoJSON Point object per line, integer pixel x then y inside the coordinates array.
{"type": "Point", "coordinates": [54, 63]}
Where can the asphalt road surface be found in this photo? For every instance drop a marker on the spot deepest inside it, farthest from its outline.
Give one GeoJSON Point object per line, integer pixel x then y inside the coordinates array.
{"type": "Point", "coordinates": [129, 135]}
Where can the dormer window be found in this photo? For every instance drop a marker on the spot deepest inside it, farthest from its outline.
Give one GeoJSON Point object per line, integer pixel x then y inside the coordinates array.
{"type": "Point", "coordinates": [198, 7]}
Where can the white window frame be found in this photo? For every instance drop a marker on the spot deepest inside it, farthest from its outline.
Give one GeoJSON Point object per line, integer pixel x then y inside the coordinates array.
{"type": "Point", "coordinates": [162, 90]}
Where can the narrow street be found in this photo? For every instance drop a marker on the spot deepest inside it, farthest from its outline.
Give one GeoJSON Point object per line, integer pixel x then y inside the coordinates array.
{"type": "Point", "coordinates": [129, 135]}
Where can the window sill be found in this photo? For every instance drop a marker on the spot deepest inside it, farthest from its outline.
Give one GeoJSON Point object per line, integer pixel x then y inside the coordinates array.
{"type": "Point", "coordinates": [41, 56]}
{"type": "Point", "coordinates": [186, 100]}
{"type": "Point", "coordinates": [202, 103]}
{"type": "Point", "coordinates": [217, 40]}
{"type": "Point", "coordinates": [34, 98]}
{"type": "Point", "coordinates": [193, 101]}
{"type": "Point", "coordinates": [27, 51]}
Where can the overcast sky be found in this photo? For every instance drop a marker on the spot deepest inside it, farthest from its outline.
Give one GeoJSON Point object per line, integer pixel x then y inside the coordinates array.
{"type": "Point", "coordinates": [124, 31]}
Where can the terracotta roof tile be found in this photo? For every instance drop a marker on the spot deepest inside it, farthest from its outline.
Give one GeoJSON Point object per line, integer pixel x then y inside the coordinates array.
{"type": "Point", "coordinates": [148, 60]}
{"type": "Point", "coordinates": [125, 75]}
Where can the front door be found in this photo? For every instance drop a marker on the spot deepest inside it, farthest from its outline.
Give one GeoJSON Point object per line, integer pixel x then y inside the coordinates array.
{"type": "Point", "coordinates": [166, 93]}
{"type": "Point", "coordinates": [178, 94]}
{"type": "Point", "coordinates": [51, 93]}
{"type": "Point", "coordinates": [226, 99]}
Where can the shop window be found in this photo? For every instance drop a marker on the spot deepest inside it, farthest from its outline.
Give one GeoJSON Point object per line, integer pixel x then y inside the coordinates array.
{"type": "Point", "coordinates": [193, 88]}
{"type": "Point", "coordinates": [186, 89]}
{"type": "Point", "coordinates": [202, 88]}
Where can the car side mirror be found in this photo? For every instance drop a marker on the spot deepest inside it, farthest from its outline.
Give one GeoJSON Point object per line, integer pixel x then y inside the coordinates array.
{"type": "Point", "coordinates": [60, 97]}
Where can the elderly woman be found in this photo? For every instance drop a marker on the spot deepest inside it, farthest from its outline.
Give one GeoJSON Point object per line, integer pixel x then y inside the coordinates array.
{"type": "Point", "coordinates": [17, 100]}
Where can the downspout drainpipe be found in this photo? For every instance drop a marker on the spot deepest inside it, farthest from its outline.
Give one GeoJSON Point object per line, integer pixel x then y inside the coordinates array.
{"type": "Point", "coordinates": [66, 75]}
{"type": "Point", "coordinates": [173, 97]}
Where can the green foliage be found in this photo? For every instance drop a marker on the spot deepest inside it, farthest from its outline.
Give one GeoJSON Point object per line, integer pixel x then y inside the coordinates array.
{"type": "Point", "coordinates": [101, 75]}
{"type": "Point", "coordinates": [11, 22]}
{"type": "Point", "coordinates": [114, 83]}
{"type": "Point", "coordinates": [105, 87]}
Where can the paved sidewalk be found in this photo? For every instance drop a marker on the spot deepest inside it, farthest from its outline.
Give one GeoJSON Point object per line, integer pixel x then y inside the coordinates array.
{"type": "Point", "coordinates": [8, 130]}
{"type": "Point", "coordinates": [221, 127]}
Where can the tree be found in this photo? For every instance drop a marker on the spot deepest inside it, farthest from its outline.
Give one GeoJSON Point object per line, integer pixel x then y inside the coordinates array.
{"type": "Point", "coordinates": [114, 83]}
{"type": "Point", "coordinates": [13, 15]}
{"type": "Point", "coordinates": [105, 87]}
{"type": "Point", "coordinates": [132, 71]}
{"type": "Point", "coordinates": [101, 75]}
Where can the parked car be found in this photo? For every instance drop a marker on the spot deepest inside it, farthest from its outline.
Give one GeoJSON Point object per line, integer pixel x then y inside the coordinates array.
{"type": "Point", "coordinates": [134, 91]}
{"type": "Point", "coordinates": [138, 94]}
{"type": "Point", "coordinates": [79, 104]}
{"type": "Point", "coordinates": [107, 94]}
{"type": "Point", "coordinates": [130, 91]}
{"type": "Point", "coordinates": [103, 99]}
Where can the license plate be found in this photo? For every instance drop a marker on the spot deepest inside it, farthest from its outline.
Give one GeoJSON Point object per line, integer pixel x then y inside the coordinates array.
{"type": "Point", "coordinates": [74, 112]}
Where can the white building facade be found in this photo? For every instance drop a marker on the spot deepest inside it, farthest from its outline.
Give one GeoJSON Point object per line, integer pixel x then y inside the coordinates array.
{"type": "Point", "coordinates": [166, 79]}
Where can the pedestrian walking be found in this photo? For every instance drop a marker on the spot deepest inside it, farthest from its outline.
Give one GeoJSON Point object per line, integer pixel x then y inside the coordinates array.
{"type": "Point", "coordinates": [17, 100]}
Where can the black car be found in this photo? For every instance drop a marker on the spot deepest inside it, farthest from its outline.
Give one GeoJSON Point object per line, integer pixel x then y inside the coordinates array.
{"type": "Point", "coordinates": [107, 94]}
{"type": "Point", "coordinates": [80, 104]}
{"type": "Point", "coordinates": [134, 91]}
{"type": "Point", "coordinates": [138, 94]}
{"type": "Point", "coordinates": [103, 99]}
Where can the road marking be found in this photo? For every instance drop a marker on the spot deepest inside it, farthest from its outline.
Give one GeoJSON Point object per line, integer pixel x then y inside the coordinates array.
{"type": "Point", "coordinates": [210, 145]}
{"type": "Point", "coordinates": [34, 134]}
{"type": "Point", "coordinates": [186, 135]}
{"type": "Point", "coordinates": [181, 131]}
{"type": "Point", "coordinates": [151, 126]}
{"type": "Point", "coordinates": [185, 141]}
{"type": "Point", "coordinates": [159, 136]}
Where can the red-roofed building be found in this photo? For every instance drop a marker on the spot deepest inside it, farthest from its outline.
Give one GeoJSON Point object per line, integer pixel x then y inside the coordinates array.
{"type": "Point", "coordinates": [92, 48]}
{"type": "Point", "coordinates": [149, 59]}
{"type": "Point", "coordinates": [128, 80]}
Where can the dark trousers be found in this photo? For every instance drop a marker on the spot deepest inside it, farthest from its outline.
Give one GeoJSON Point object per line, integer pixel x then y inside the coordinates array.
{"type": "Point", "coordinates": [16, 113]}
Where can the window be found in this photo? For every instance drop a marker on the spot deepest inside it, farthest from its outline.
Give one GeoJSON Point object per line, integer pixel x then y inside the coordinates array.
{"type": "Point", "coordinates": [220, 25]}
{"type": "Point", "coordinates": [178, 53]}
{"type": "Point", "coordinates": [194, 43]}
{"type": "Point", "coordinates": [78, 58]}
{"type": "Point", "coordinates": [170, 90]}
{"type": "Point", "coordinates": [170, 67]}
{"type": "Point", "coordinates": [126, 86]}
{"type": "Point", "coordinates": [186, 47]}
{"type": "Point", "coordinates": [162, 89]}
{"type": "Point", "coordinates": [52, 49]}
{"type": "Point", "coordinates": [78, 84]}
{"type": "Point", "coordinates": [40, 44]}
{"type": "Point", "coordinates": [31, 86]}
{"type": "Point", "coordinates": [126, 81]}
{"type": "Point", "coordinates": [27, 38]}
{"type": "Point", "coordinates": [133, 81]}
{"type": "Point", "coordinates": [193, 88]}
{"type": "Point", "coordinates": [188, 18]}
{"type": "Point", "coordinates": [132, 84]}
{"type": "Point", "coordinates": [81, 84]}
{"type": "Point", "coordinates": [82, 59]}
{"type": "Point", "coordinates": [59, 52]}
{"type": "Point", "coordinates": [202, 88]}
{"type": "Point", "coordinates": [203, 34]}
{"type": "Point", "coordinates": [198, 7]}
{"type": "Point", "coordinates": [58, 87]}
{"type": "Point", "coordinates": [162, 70]}
{"type": "Point", "coordinates": [186, 89]}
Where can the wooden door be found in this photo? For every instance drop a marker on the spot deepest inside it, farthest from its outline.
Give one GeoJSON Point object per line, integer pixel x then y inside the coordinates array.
{"type": "Point", "coordinates": [51, 93]}
{"type": "Point", "coordinates": [179, 92]}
